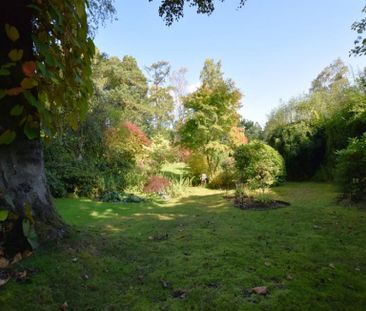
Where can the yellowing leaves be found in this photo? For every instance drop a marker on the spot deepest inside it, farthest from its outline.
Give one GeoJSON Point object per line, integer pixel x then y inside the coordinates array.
{"type": "Point", "coordinates": [28, 83]}
{"type": "Point", "coordinates": [14, 91]}
{"type": "Point", "coordinates": [15, 55]}
{"type": "Point", "coordinates": [17, 110]}
{"type": "Point", "coordinates": [12, 32]}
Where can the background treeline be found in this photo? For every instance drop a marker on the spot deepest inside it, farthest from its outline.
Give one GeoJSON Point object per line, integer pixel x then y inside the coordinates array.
{"type": "Point", "coordinates": [140, 121]}
{"type": "Point", "coordinates": [315, 132]}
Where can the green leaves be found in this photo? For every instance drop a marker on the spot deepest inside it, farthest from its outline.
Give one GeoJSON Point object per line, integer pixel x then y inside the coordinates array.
{"type": "Point", "coordinates": [31, 130]}
{"type": "Point", "coordinates": [3, 215]}
{"type": "Point", "coordinates": [2, 94]}
{"type": "Point", "coordinates": [16, 110]}
{"type": "Point", "coordinates": [7, 137]}
{"type": "Point", "coordinates": [28, 83]}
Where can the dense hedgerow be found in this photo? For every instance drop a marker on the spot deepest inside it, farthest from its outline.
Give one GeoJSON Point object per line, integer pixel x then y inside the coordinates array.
{"type": "Point", "coordinates": [351, 169]}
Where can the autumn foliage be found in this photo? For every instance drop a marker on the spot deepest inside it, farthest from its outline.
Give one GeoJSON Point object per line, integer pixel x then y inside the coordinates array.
{"type": "Point", "coordinates": [156, 184]}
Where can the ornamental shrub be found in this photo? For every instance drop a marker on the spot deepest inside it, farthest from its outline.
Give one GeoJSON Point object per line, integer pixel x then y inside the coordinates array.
{"type": "Point", "coordinates": [197, 165]}
{"type": "Point", "coordinates": [227, 177]}
{"type": "Point", "coordinates": [351, 169]}
{"type": "Point", "coordinates": [156, 184]}
{"type": "Point", "coordinates": [259, 165]}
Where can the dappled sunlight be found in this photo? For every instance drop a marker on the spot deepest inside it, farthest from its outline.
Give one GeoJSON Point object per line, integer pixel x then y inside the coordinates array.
{"type": "Point", "coordinates": [113, 229]}
{"type": "Point", "coordinates": [160, 216]}
{"type": "Point", "coordinates": [106, 214]}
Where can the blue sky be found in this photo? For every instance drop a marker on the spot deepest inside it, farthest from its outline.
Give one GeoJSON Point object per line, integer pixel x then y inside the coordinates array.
{"type": "Point", "coordinates": [272, 49]}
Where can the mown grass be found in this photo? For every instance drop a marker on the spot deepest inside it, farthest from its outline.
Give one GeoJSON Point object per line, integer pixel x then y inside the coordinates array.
{"type": "Point", "coordinates": [200, 253]}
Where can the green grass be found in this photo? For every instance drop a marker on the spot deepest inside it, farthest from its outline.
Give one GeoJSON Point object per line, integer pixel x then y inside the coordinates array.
{"type": "Point", "coordinates": [175, 170]}
{"type": "Point", "coordinates": [311, 256]}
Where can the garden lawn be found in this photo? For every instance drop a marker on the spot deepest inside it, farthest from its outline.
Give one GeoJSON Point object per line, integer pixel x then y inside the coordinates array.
{"type": "Point", "coordinates": [201, 253]}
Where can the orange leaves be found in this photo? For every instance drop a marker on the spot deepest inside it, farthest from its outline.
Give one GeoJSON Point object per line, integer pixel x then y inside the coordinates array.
{"type": "Point", "coordinates": [14, 91]}
{"type": "Point", "coordinates": [29, 68]}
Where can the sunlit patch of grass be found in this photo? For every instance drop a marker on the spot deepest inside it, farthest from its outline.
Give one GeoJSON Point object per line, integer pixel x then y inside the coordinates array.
{"type": "Point", "coordinates": [310, 256]}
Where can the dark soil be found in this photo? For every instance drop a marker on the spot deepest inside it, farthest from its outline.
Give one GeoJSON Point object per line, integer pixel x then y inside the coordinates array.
{"type": "Point", "coordinates": [250, 204]}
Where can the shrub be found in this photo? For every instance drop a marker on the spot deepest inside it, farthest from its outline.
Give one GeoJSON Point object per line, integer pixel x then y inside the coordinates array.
{"type": "Point", "coordinates": [259, 165]}
{"type": "Point", "coordinates": [197, 164]}
{"type": "Point", "coordinates": [160, 152]}
{"type": "Point", "coordinates": [302, 145]}
{"type": "Point", "coordinates": [227, 178]}
{"type": "Point", "coordinates": [351, 169]}
{"type": "Point", "coordinates": [179, 187]}
{"type": "Point", "coordinates": [156, 184]}
{"type": "Point", "coordinates": [113, 196]}
{"type": "Point", "coordinates": [55, 184]}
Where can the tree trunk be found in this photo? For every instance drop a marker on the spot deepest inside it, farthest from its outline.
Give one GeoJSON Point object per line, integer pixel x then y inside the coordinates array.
{"type": "Point", "coordinates": [23, 186]}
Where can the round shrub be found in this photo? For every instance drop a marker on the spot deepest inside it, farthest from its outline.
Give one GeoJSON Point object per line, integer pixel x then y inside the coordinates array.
{"type": "Point", "coordinates": [351, 169]}
{"type": "Point", "coordinates": [259, 165]}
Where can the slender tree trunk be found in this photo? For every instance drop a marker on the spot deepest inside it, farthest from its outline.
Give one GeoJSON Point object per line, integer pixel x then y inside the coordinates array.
{"type": "Point", "coordinates": [23, 183]}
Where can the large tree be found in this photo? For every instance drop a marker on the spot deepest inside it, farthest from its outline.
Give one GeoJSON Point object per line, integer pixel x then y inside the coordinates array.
{"type": "Point", "coordinates": [211, 116]}
{"type": "Point", "coordinates": [160, 99]}
{"type": "Point", "coordinates": [360, 43]}
{"type": "Point", "coordinates": [45, 57]}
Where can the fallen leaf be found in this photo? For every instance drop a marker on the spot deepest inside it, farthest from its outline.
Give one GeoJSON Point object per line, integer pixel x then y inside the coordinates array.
{"type": "Point", "coordinates": [21, 276]}
{"type": "Point", "coordinates": [260, 290]}
{"type": "Point", "coordinates": [4, 262]}
{"type": "Point", "coordinates": [18, 257]}
{"type": "Point", "coordinates": [4, 281]}
{"type": "Point", "coordinates": [26, 254]}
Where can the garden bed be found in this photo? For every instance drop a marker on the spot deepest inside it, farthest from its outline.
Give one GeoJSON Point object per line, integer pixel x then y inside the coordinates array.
{"type": "Point", "coordinates": [246, 203]}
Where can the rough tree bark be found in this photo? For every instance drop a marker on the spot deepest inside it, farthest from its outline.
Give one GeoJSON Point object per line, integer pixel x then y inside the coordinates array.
{"type": "Point", "coordinates": [22, 174]}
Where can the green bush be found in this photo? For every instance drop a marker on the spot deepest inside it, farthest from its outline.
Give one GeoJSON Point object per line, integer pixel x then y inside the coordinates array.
{"type": "Point", "coordinates": [56, 185]}
{"type": "Point", "coordinates": [351, 169]}
{"type": "Point", "coordinates": [197, 165]}
{"type": "Point", "coordinates": [302, 145]}
{"type": "Point", "coordinates": [111, 197]}
{"type": "Point", "coordinates": [227, 177]}
{"type": "Point", "coordinates": [259, 165]}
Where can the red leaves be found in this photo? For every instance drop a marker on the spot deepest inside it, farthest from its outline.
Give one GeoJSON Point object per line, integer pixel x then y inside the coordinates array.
{"type": "Point", "coordinates": [135, 131]}
{"type": "Point", "coordinates": [29, 68]}
{"type": "Point", "coordinates": [156, 184]}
